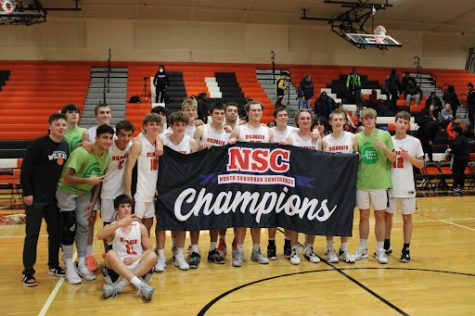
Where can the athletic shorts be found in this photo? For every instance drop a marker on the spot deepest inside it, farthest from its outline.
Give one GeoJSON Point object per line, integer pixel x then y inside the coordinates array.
{"type": "Point", "coordinates": [377, 199]}
{"type": "Point", "coordinates": [145, 209]}
{"type": "Point", "coordinates": [107, 210]}
{"type": "Point", "coordinates": [405, 206]}
{"type": "Point", "coordinates": [115, 276]}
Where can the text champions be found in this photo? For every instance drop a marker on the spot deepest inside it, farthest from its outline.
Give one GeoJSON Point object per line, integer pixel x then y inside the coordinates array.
{"type": "Point", "coordinates": [255, 203]}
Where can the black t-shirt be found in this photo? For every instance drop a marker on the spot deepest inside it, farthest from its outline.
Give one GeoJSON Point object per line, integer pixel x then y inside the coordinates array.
{"type": "Point", "coordinates": [42, 167]}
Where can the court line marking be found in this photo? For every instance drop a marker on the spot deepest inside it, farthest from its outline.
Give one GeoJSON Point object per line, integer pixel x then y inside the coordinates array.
{"type": "Point", "coordinates": [448, 222]}
{"type": "Point", "coordinates": [203, 311]}
{"type": "Point", "coordinates": [51, 298]}
{"type": "Point", "coordinates": [53, 293]}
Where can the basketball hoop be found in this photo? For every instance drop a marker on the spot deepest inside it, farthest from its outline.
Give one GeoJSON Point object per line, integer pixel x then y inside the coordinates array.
{"type": "Point", "coordinates": [8, 6]}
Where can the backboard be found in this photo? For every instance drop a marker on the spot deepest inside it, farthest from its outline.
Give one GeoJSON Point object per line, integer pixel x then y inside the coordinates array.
{"type": "Point", "coordinates": [363, 40]}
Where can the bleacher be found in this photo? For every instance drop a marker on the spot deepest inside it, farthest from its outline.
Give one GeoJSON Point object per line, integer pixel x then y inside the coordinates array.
{"type": "Point", "coordinates": [30, 91]}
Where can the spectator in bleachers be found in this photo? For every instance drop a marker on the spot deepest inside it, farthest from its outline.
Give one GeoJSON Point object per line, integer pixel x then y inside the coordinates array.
{"type": "Point", "coordinates": [324, 105]}
{"type": "Point", "coordinates": [460, 152]}
{"type": "Point", "coordinates": [353, 85]}
{"type": "Point", "coordinates": [451, 97]}
{"type": "Point", "coordinates": [161, 83]}
{"type": "Point", "coordinates": [404, 81]}
{"type": "Point", "coordinates": [412, 91]}
{"type": "Point", "coordinates": [305, 92]}
{"type": "Point", "coordinates": [428, 125]}
{"type": "Point", "coordinates": [281, 86]}
{"type": "Point", "coordinates": [446, 115]}
{"type": "Point", "coordinates": [450, 128]}
{"type": "Point", "coordinates": [377, 104]}
{"type": "Point", "coordinates": [203, 109]}
{"type": "Point", "coordinates": [393, 85]}
{"type": "Point", "coordinates": [433, 99]}
{"type": "Point", "coordinates": [471, 103]}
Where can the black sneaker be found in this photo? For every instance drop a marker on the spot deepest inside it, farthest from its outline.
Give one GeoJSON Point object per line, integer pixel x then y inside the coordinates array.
{"type": "Point", "coordinates": [405, 255]}
{"type": "Point", "coordinates": [214, 257]}
{"type": "Point", "coordinates": [194, 261]}
{"type": "Point", "coordinates": [287, 250]}
{"type": "Point", "coordinates": [28, 280]}
{"type": "Point", "coordinates": [58, 272]}
{"type": "Point", "coordinates": [271, 252]}
{"type": "Point", "coordinates": [388, 251]}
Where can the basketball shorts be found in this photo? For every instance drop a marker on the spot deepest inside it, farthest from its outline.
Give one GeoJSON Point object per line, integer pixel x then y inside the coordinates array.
{"type": "Point", "coordinates": [405, 206]}
{"type": "Point", "coordinates": [377, 199]}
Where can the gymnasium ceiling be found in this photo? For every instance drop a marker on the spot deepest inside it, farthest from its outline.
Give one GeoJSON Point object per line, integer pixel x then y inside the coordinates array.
{"type": "Point", "coordinates": [426, 15]}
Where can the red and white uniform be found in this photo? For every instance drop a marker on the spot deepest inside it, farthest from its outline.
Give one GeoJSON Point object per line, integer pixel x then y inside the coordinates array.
{"type": "Point", "coordinates": [183, 147]}
{"type": "Point", "coordinates": [147, 172]}
{"type": "Point", "coordinates": [309, 143]}
{"type": "Point", "coordinates": [402, 173]}
{"type": "Point", "coordinates": [128, 244]}
{"type": "Point", "coordinates": [249, 134]}
{"type": "Point", "coordinates": [279, 135]}
{"type": "Point", "coordinates": [112, 186]}
{"type": "Point", "coordinates": [342, 144]}
{"type": "Point", "coordinates": [190, 130]}
{"type": "Point", "coordinates": [213, 137]}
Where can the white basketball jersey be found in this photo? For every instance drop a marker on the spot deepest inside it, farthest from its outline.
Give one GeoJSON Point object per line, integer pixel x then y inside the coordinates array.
{"type": "Point", "coordinates": [402, 173]}
{"type": "Point", "coordinates": [183, 147]}
{"type": "Point", "coordinates": [309, 143]}
{"type": "Point", "coordinates": [147, 171]}
{"type": "Point", "coordinates": [92, 132]}
{"type": "Point", "coordinates": [112, 185]}
{"type": "Point", "coordinates": [254, 135]}
{"type": "Point", "coordinates": [190, 130]}
{"type": "Point", "coordinates": [213, 137]}
{"type": "Point", "coordinates": [282, 135]}
{"type": "Point", "coordinates": [342, 144]}
{"type": "Point", "coordinates": [128, 244]}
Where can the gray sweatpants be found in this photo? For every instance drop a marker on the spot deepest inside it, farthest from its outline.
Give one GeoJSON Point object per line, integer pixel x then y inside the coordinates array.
{"type": "Point", "coordinates": [68, 202]}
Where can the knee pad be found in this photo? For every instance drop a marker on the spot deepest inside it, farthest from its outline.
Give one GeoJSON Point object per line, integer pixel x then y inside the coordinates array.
{"type": "Point", "coordinates": [69, 228]}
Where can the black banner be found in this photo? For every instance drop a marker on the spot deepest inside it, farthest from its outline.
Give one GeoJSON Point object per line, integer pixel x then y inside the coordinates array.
{"type": "Point", "coordinates": [257, 185]}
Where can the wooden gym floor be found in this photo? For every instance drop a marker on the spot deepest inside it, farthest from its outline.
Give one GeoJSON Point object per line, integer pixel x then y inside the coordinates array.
{"type": "Point", "coordinates": [439, 280]}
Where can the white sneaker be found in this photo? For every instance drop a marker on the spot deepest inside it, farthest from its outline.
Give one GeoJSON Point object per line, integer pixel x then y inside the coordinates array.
{"type": "Point", "coordinates": [181, 263]}
{"type": "Point", "coordinates": [238, 258]}
{"type": "Point", "coordinates": [161, 264]}
{"type": "Point", "coordinates": [146, 291]}
{"type": "Point", "coordinates": [72, 276]}
{"type": "Point", "coordinates": [361, 254]}
{"type": "Point", "coordinates": [381, 256]}
{"type": "Point", "coordinates": [86, 274]}
{"type": "Point", "coordinates": [331, 255]}
{"type": "Point", "coordinates": [294, 257]}
{"type": "Point", "coordinates": [347, 257]}
{"type": "Point", "coordinates": [257, 256]}
{"type": "Point", "coordinates": [310, 255]}
{"type": "Point", "coordinates": [110, 290]}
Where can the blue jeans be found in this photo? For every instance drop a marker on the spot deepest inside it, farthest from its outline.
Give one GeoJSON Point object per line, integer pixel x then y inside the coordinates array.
{"type": "Point", "coordinates": [304, 103]}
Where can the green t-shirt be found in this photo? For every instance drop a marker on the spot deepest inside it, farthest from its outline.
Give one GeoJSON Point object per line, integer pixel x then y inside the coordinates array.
{"type": "Point", "coordinates": [85, 165]}
{"type": "Point", "coordinates": [73, 136]}
{"type": "Point", "coordinates": [374, 171]}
